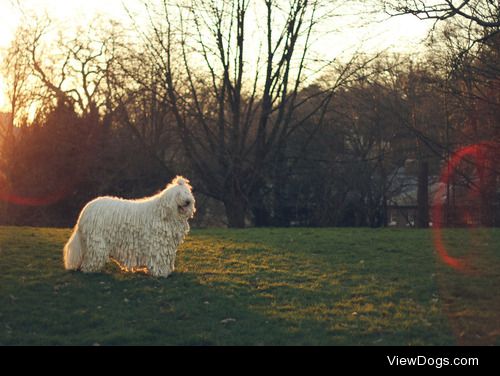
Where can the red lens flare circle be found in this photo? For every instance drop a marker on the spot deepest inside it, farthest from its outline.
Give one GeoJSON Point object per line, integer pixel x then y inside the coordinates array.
{"type": "Point", "coordinates": [32, 201]}
{"type": "Point", "coordinates": [49, 198]}
{"type": "Point", "coordinates": [478, 153]}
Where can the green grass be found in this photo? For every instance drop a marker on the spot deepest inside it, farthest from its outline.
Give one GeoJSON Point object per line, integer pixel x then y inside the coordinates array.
{"type": "Point", "coordinates": [256, 287]}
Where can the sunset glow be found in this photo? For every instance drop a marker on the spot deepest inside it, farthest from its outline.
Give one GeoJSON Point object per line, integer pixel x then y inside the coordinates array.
{"type": "Point", "coordinates": [347, 34]}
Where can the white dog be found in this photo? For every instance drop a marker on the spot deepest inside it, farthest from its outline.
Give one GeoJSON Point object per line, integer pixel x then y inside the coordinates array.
{"type": "Point", "coordinates": [138, 234]}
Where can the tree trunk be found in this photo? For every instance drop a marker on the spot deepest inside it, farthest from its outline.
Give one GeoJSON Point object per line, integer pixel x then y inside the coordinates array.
{"type": "Point", "coordinates": [281, 213]}
{"type": "Point", "coordinates": [260, 210]}
{"type": "Point", "coordinates": [235, 211]}
{"type": "Point", "coordinates": [423, 195]}
{"type": "Point", "coordinates": [261, 215]}
{"type": "Point", "coordinates": [487, 187]}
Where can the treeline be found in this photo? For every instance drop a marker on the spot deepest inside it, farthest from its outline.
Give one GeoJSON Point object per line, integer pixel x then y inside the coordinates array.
{"type": "Point", "coordinates": [268, 137]}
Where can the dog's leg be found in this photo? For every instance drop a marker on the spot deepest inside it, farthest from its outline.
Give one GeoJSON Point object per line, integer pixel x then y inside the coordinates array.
{"type": "Point", "coordinates": [96, 256]}
{"type": "Point", "coordinates": [161, 268]}
{"type": "Point", "coordinates": [160, 273]}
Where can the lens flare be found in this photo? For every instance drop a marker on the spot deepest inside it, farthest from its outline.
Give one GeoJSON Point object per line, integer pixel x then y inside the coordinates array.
{"type": "Point", "coordinates": [45, 200]}
{"type": "Point", "coordinates": [479, 157]}
{"type": "Point", "coordinates": [32, 201]}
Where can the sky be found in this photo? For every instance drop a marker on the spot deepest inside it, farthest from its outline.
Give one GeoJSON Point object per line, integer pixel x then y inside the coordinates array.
{"type": "Point", "coordinates": [402, 33]}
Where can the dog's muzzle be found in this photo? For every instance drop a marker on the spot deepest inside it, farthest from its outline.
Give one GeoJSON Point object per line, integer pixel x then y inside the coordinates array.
{"type": "Point", "coordinates": [184, 208]}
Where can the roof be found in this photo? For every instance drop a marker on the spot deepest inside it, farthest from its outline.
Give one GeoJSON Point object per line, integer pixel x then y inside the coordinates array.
{"type": "Point", "coordinates": [404, 187]}
{"type": "Point", "coordinates": [409, 196]}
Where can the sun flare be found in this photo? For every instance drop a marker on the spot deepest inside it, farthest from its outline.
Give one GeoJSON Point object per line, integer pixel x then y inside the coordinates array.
{"type": "Point", "coordinates": [349, 35]}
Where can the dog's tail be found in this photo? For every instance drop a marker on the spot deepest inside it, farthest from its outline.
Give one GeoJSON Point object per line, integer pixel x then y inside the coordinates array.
{"type": "Point", "coordinates": [73, 254]}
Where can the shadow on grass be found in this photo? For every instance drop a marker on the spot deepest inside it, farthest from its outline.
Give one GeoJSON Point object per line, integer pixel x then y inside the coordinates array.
{"type": "Point", "coordinates": [42, 304]}
{"type": "Point", "coordinates": [246, 288]}
{"type": "Point", "coordinates": [334, 288]}
{"type": "Point", "coordinates": [393, 274]}
{"type": "Point", "coordinates": [471, 297]}
{"type": "Point", "coordinates": [118, 309]}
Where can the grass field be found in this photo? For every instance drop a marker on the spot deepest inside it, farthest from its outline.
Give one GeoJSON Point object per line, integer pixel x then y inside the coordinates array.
{"type": "Point", "coordinates": [257, 287]}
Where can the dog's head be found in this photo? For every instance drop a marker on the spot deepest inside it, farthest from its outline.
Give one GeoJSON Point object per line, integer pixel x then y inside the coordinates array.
{"type": "Point", "coordinates": [181, 197]}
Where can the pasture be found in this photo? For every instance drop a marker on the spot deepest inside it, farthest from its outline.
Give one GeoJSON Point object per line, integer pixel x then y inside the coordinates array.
{"type": "Point", "coordinates": [295, 286]}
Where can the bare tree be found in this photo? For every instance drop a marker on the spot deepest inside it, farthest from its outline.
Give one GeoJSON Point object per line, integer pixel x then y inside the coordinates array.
{"type": "Point", "coordinates": [22, 90]}
{"type": "Point", "coordinates": [484, 14]}
{"type": "Point", "coordinates": [233, 74]}
{"type": "Point", "coordinates": [45, 65]}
